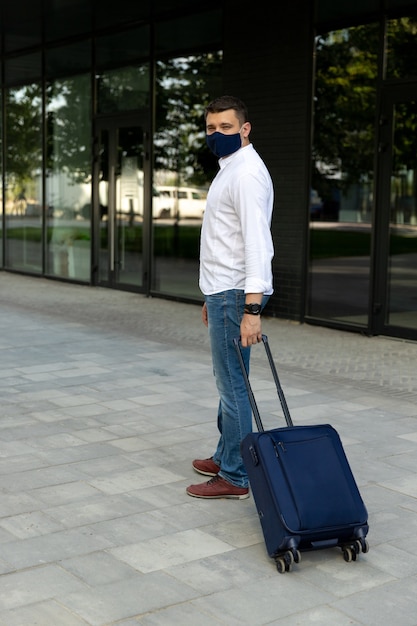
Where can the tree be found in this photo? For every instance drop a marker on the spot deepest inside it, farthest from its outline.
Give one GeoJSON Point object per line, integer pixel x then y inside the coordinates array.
{"type": "Point", "coordinates": [184, 88]}
{"type": "Point", "coordinates": [23, 139]}
{"type": "Point", "coordinates": [345, 105]}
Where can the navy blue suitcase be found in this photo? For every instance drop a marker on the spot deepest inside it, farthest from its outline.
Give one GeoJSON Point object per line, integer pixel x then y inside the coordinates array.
{"type": "Point", "coordinates": [302, 484]}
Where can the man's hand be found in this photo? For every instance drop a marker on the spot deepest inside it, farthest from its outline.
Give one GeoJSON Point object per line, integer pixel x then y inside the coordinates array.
{"type": "Point", "coordinates": [204, 315]}
{"type": "Point", "coordinates": [250, 330]}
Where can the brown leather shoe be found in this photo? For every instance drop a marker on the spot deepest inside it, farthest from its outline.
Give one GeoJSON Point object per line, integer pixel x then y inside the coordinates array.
{"type": "Point", "coordinates": [218, 487]}
{"type": "Point", "coordinates": [207, 467]}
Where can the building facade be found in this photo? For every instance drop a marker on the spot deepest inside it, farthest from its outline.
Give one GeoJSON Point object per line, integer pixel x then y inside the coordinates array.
{"type": "Point", "coordinates": [104, 165]}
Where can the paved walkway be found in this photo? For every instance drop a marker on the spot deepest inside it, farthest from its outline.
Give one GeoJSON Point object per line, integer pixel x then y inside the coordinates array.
{"type": "Point", "coordinates": [107, 396]}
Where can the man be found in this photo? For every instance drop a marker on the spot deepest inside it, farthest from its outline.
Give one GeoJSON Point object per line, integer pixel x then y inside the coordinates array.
{"type": "Point", "coordinates": [236, 279]}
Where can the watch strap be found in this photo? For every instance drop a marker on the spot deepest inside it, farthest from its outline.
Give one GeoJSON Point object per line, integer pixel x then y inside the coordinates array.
{"type": "Point", "coordinates": [253, 309]}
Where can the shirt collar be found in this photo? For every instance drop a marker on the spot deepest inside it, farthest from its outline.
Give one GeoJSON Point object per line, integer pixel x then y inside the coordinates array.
{"type": "Point", "coordinates": [225, 160]}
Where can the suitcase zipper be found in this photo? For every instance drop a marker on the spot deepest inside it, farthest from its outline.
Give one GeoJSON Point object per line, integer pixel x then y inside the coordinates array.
{"type": "Point", "coordinates": [281, 445]}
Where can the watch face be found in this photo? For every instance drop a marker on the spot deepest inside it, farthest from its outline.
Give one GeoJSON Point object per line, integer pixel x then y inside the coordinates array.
{"type": "Point", "coordinates": [255, 309]}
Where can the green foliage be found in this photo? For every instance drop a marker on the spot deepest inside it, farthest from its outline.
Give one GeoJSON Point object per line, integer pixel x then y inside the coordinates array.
{"type": "Point", "coordinates": [184, 88]}
{"type": "Point", "coordinates": [69, 128]}
{"type": "Point", "coordinates": [400, 244]}
{"type": "Point", "coordinates": [170, 240]}
{"type": "Point", "coordinates": [345, 104]}
{"type": "Point", "coordinates": [130, 238]}
{"type": "Point", "coordinates": [329, 243]}
{"type": "Point", "coordinates": [402, 48]}
{"type": "Point", "coordinates": [184, 241]}
{"type": "Point", "coordinates": [177, 241]}
{"type": "Point", "coordinates": [65, 235]}
{"type": "Point", "coordinates": [23, 135]}
{"type": "Point", "coordinates": [21, 233]}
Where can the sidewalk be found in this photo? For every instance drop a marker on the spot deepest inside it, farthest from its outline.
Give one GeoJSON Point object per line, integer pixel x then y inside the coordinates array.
{"type": "Point", "coordinates": [107, 396]}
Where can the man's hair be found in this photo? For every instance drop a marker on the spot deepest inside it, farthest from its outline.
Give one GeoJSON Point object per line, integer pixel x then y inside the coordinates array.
{"type": "Point", "coordinates": [224, 103]}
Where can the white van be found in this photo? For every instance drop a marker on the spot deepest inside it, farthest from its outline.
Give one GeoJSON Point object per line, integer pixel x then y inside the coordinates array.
{"type": "Point", "coordinates": [178, 202]}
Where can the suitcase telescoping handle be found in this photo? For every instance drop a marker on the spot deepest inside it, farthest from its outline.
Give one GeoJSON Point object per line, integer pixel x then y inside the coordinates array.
{"type": "Point", "coordinates": [252, 400]}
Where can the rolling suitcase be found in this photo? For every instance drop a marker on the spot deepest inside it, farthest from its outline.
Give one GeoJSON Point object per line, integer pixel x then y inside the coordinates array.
{"type": "Point", "coordinates": [303, 487]}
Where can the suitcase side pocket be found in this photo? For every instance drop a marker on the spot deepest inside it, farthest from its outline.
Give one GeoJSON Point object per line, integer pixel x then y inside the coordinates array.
{"type": "Point", "coordinates": [319, 482]}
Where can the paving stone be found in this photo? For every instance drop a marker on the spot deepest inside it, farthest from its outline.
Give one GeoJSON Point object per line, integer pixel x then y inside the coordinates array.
{"type": "Point", "coordinates": [107, 396]}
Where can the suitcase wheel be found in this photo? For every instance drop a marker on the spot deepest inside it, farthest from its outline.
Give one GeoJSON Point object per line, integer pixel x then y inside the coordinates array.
{"type": "Point", "coordinates": [285, 561]}
{"type": "Point", "coordinates": [297, 556]}
{"type": "Point", "coordinates": [350, 552]}
{"type": "Point", "coordinates": [281, 565]}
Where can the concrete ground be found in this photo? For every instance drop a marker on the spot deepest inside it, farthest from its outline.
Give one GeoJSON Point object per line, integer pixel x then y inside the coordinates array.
{"type": "Point", "coordinates": [107, 396]}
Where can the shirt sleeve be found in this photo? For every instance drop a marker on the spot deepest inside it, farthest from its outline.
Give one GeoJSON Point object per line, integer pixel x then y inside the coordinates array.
{"type": "Point", "coordinates": [254, 204]}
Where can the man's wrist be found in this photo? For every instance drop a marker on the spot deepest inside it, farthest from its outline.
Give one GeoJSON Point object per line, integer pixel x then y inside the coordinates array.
{"type": "Point", "coordinates": [253, 308]}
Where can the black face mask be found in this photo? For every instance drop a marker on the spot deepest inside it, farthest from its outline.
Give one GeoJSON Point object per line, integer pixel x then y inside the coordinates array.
{"type": "Point", "coordinates": [222, 145]}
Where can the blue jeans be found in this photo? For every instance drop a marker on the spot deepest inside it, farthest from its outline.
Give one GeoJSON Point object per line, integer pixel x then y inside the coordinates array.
{"type": "Point", "coordinates": [234, 419]}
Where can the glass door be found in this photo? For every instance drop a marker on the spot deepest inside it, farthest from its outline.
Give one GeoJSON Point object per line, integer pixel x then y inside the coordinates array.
{"type": "Point", "coordinates": [395, 299]}
{"type": "Point", "coordinates": [120, 181]}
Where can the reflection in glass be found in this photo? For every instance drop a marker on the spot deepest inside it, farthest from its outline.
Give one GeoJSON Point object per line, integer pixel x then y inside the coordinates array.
{"type": "Point", "coordinates": [121, 205]}
{"type": "Point", "coordinates": [1, 189]}
{"type": "Point", "coordinates": [401, 48]}
{"type": "Point", "coordinates": [23, 167]}
{"type": "Point", "coordinates": [341, 203]}
{"type": "Point", "coordinates": [124, 48]}
{"type": "Point", "coordinates": [123, 89]}
{"type": "Point", "coordinates": [183, 169]}
{"type": "Point", "coordinates": [402, 272]}
{"type": "Point", "coordinates": [103, 200]}
{"type": "Point", "coordinates": [68, 178]}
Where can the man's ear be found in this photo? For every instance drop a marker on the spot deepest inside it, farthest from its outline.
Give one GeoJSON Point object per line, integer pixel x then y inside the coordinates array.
{"type": "Point", "coordinates": [246, 128]}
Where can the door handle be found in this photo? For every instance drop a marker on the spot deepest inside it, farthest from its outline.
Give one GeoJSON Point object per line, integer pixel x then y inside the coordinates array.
{"type": "Point", "coordinates": [110, 217]}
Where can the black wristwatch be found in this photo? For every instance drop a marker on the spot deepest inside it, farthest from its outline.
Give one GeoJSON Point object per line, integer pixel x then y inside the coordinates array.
{"type": "Point", "coordinates": [253, 309]}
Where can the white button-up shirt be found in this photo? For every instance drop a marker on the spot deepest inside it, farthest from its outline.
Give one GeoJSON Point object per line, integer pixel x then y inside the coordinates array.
{"type": "Point", "coordinates": [236, 247]}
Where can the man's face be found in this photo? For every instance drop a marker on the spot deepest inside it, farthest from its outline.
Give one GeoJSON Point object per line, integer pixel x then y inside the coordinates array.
{"type": "Point", "coordinates": [225, 122]}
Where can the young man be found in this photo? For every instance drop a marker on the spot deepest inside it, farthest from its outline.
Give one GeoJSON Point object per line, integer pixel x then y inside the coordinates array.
{"type": "Point", "coordinates": [236, 280]}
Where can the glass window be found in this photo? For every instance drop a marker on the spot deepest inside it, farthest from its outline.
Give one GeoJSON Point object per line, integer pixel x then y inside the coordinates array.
{"type": "Point", "coordinates": [399, 4]}
{"type": "Point", "coordinates": [161, 7]}
{"type": "Point", "coordinates": [201, 31]}
{"type": "Point", "coordinates": [68, 178]}
{"type": "Point", "coordinates": [122, 48]}
{"type": "Point", "coordinates": [123, 89]}
{"type": "Point", "coordinates": [341, 200]}
{"type": "Point", "coordinates": [23, 188]}
{"type": "Point", "coordinates": [401, 48]}
{"type": "Point", "coordinates": [23, 69]}
{"type": "Point", "coordinates": [401, 307]}
{"type": "Point", "coordinates": [23, 24]}
{"type": "Point", "coordinates": [1, 186]}
{"type": "Point", "coordinates": [67, 60]}
{"type": "Point", "coordinates": [67, 18]}
{"type": "Point", "coordinates": [122, 175]}
{"type": "Point", "coordinates": [183, 169]}
{"type": "Point", "coordinates": [110, 15]}
{"type": "Point", "coordinates": [331, 11]}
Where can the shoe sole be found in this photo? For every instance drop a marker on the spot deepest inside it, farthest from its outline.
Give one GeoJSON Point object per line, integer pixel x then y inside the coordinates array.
{"type": "Point", "coordinates": [243, 496]}
{"type": "Point", "coordinates": [199, 471]}
{"type": "Point", "coordinates": [204, 473]}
